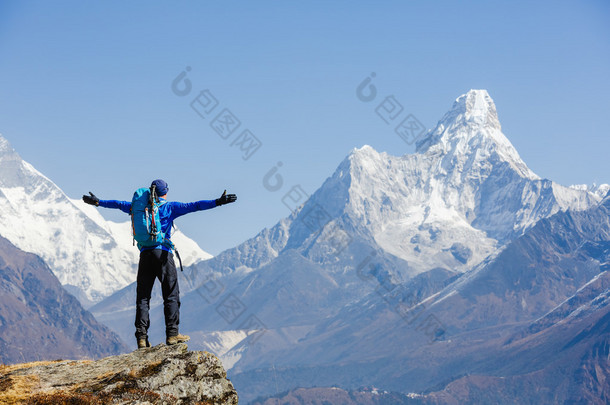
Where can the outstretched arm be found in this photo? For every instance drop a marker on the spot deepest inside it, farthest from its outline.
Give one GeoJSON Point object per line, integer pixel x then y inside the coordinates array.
{"type": "Point", "coordinates": [91, 199]}
{"type": "Point", "coordinates": [124, 206]}
{"type": "Point", "coordinates": [179, 209]}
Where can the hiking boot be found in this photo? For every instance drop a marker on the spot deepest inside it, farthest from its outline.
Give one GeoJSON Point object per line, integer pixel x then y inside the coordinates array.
{"type": "Point", "coordinates": [172, 340]}
{"type": "Point", "coordinates": [143, 343]}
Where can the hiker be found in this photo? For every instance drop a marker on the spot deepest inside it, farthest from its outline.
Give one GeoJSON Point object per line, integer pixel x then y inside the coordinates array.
{"type": "Point", "coordinates": [157, 261]}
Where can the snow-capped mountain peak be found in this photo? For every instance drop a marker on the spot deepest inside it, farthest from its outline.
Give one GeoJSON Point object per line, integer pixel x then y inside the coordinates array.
{"type": "Point", "coordinates": [90, 256]}
{"type": "Point", "coordinates": [4, 146]}
{"type": "Point", "coordinates": [462, 195]}
{"type": "Point", "coordinates": [470, 134]}
{"type": "Point", "coordinates": [476, 107]}
{"type": "Point", "coordinates": [13, 170]}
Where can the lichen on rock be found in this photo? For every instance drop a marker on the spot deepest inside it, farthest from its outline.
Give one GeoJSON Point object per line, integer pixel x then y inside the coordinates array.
{"type": "Point", "coordinates": [158, 375]}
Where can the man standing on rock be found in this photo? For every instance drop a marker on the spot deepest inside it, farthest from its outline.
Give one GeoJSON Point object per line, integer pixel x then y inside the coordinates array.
{"type": "Point", "coordinates": [158, 261]}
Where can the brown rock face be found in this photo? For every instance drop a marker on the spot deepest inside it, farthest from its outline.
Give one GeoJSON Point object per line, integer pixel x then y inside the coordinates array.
{"type": "Point", "coordinates": [39, 320]}
{"type": "Point", "coordinates": [157, 375]}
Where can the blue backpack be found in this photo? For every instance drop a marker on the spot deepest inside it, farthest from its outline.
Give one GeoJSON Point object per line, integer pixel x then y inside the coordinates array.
{"type": "Point", "coordinates": [145, 221]}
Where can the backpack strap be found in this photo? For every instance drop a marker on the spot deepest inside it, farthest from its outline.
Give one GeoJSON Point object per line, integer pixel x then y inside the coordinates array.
{"type": "Point", "coordinates": [168, 243]}
{"type": "Point", "coordinates": [154, 198]}
{"type": "Point", "coordinates": [179, 259]}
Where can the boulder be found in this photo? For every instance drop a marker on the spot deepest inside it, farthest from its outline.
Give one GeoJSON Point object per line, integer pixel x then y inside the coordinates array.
{"type": "Point", "coordinates": [157, 375]}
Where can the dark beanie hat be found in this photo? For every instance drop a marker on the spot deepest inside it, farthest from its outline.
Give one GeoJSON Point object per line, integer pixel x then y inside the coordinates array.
{"type": "Point", "coordinates": [161, 186]}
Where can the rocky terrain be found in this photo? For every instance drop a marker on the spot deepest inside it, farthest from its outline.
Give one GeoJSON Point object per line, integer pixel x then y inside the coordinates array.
{"type": "Point", "coordinates": [157, 375]}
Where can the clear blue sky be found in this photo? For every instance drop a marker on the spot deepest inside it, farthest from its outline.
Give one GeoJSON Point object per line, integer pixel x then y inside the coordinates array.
{"type": "Point", "coordinates": [85, 90]}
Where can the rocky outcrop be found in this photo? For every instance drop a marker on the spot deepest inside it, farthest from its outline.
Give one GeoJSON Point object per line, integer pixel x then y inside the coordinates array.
{"type": "Point", "coordinates": [158, 375]}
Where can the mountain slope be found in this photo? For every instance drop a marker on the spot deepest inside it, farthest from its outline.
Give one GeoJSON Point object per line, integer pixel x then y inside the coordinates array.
{"type": "Point", "coordinates": [566, 363]}
{"type": "Point", "coordinates": [337, 396]}
{"type": "Point", "coordinates": [92, 257]}
{"type": "Point", "coordinates": [379, 221]}
{"type": "Point", "coordinates": [41, 321]}
{"type": "Point", "coordinates": [532, 318]}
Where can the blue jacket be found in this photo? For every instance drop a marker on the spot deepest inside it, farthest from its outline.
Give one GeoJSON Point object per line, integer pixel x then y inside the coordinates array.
{"type": "Point", "coordinates": [168, 211]}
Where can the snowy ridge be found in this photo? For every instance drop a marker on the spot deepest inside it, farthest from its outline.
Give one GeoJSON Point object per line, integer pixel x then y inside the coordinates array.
{"type": "Point", "coordinates": [590, 296]}
{"type": "Point", "coordinates": [600, 191]}
{"type": "Point", "coordinates": [91, 256]}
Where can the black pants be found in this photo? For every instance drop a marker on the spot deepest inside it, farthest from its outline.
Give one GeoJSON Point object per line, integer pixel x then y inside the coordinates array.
{"type": "Point", "coordinates": [157, 264]}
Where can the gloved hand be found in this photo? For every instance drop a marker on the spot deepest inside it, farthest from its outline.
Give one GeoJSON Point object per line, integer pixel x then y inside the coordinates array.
{"type": "Point", "coordinates": [92, 200]}
{"type": "Point", "coordinates": [226, 198]}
